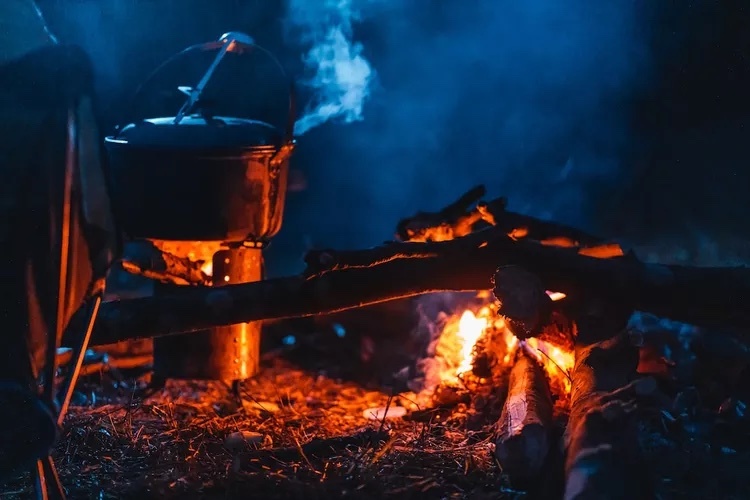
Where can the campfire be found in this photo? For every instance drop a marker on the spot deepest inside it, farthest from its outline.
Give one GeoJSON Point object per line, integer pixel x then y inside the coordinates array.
{"type": "Point", "coordinates": [467, 338]}
{"type": "Point", "coordinates": [524, 362]}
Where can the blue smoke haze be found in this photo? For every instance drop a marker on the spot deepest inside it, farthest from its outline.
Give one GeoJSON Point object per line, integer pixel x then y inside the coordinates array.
{"type": "Point", "coordinates": [530, 98]}
{"type": "Point", "coordinates": [422, 99]}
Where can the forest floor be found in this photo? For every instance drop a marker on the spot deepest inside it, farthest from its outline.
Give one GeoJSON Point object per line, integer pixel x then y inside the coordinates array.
{"type": "Point", "coordinates": [305, 434]}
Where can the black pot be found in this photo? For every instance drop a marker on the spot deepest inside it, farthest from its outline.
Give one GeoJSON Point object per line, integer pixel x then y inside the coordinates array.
{"type": "Point", "coordinates": [198, 177]}
{"type": "Point", "coordinates": [202, 179]}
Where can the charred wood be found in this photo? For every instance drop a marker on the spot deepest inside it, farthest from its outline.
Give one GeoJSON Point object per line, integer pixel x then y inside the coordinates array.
{"type": "Point", "coordinates": [703, 296]}
{"type": "Point", "coordinates": [523, 300]}
{"type": "Point", "coordinates": [460, 218]}
{"type": "Point", "coordinates": [523, 433]}
{"type": "Point", "coordinates": [453, 221]}
{"type": "Point", "coordinates": [148, 261]}
{"type": "Point", "coordinates": [340, 280]}
{"type": "Point", "coordinates": [687, 355]}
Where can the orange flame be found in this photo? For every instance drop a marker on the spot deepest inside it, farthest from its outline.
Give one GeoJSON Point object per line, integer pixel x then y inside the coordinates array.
{"type": "Point", "coordinates": [557, 362]}
{"type": "Point", "coordinates": [208, 268]}
{"type": "Point", "coordinates": [457, 341]}
{"type": "Point", "coordinates": [470, 329]}
{"type": "Point", "coordinates": [456, 347]}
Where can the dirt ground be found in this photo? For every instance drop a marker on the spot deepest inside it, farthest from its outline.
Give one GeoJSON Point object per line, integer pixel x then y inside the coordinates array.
{"type": "Point", "coordinates": [313, 441]}
{"type": "Point", "coordinates": [309, 433]}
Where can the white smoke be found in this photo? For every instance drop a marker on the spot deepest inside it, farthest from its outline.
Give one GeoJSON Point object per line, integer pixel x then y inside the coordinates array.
{"type": "Point", "coordinates": [340, 75]}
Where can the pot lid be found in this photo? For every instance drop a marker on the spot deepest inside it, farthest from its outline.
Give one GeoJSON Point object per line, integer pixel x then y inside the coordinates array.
{"type": "Point", "coordinates": [199, 132]}
{"type": "Point", "coordinates": [199, 124]}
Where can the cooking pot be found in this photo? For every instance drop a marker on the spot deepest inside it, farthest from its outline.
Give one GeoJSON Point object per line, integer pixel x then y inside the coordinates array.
{"type": "Point", "coordinates": [196, 176]}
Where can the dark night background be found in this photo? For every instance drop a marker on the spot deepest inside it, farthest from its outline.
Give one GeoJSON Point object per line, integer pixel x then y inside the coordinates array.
{"type": "Point", "coordinates": [626, 117]}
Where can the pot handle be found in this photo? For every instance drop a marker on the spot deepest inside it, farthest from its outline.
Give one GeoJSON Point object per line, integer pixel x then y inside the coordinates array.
{"type": "Point", "coordinates": [228, 42]}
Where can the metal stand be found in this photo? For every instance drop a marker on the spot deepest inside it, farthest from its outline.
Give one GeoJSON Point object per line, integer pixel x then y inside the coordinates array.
{"type": "Point", "coordinates": [47, 484]}
{"type": "Point", "coordinates": [226, 353]}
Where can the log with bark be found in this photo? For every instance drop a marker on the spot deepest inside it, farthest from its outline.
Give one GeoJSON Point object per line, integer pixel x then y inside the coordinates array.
{"type": "Point", "coordinates": [523, 433]}
{"type": "Point", "coordinates": [704, 296]}
{"type": "Point", "coordinates": [340, 280]}
{"type": "Point", "coordinates": [602, 455]}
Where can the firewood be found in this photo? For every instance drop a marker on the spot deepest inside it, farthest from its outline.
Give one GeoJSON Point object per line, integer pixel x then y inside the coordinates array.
{"type": "Point", "coordinates": [602, 456]}
{"type": "Point", "coordinates": [453, 221]}
{"type": "Point", "coordinates": [523, 433]}
{"type": "Point", "coordinates": [459, 219]}
{"type": "Point", "coordinates": [144, 259]}
{"type": "Point", "coordinates": [523, 300]}
{"type": "Point", "coordinates": [340, 280]}
{"type": "Point", "coordinates": [710, 296]}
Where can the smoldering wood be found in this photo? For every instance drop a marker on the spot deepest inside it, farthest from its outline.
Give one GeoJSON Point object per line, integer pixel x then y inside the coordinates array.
{"type": "Point", "coordinates": [703, 296]}
{"type": "Point", "coordinates": [453, 221]}
{"type": "Point", "coordinates": [600, 438]}
{"type": "Point", "coordinates": [340, 280]}
{"type": "Point", "coordinates": [460, 218]}
{"type": "Point", "coordinates": [144, 259]}
{"type": "Point", "coordinates": [523, 433]}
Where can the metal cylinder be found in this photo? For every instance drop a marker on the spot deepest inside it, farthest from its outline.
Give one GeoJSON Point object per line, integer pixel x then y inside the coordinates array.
{"type": "Point", "coordinates": [225, 353]}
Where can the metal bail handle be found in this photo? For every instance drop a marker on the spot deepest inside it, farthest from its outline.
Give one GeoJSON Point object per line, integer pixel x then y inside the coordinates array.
{"type": "Point", "coordinates": [228, 42]}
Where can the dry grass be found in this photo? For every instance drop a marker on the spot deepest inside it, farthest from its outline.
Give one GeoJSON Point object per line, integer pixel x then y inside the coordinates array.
{"type": "Point", "coordinates": [316, 443]}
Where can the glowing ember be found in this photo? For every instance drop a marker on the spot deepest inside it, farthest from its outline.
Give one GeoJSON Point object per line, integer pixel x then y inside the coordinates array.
{"type": "Point", "coordinates": [208, 268]}
{"type": "Point", "coordinates": [555, 296]}
{"type": "Point", "coordinates": [196, 251]}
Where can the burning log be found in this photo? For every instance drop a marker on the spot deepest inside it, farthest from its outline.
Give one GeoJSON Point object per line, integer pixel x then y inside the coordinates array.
{"type": "Point", "coordinates": [703, 296]}
{"type": "Point", "coordinates": [453, 221]}
{"type": "Point", "coordinates": [522, 439]}
{"type": "Point", "coordinates": [144, 259]}
{"type": "Point", "coordinates": [459, 219]}
{"type": "Point", "coordinates": [339, 280]}
{"type": "Point", "coordinates": [600, 439]}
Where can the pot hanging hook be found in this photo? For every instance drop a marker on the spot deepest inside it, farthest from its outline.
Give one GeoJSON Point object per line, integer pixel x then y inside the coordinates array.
{"type": "Point", "coordinates": [229, 41]}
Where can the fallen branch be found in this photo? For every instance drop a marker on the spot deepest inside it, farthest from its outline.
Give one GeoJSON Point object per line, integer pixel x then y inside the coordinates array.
{"type": "Point", "coordinates": [522, 439]}
{"type": "Point", "coordinates": [129, 363]}
{"type": "Point", "coordinates": [704, 296]}
{"type": "Point", "coordinates": [100, 362]}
